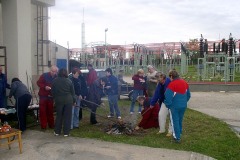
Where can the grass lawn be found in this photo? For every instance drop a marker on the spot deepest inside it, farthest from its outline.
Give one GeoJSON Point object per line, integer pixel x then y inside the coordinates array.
{"type": "Point", "coordinates": [201, 134]}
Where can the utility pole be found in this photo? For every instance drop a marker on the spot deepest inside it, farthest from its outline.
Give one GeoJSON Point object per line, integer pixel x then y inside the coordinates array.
{"type": "Point", "coordinates": [106, 47]}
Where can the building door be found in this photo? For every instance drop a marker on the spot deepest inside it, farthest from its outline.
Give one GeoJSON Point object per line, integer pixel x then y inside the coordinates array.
{"type": "Point", "coordinates": [62, 63]}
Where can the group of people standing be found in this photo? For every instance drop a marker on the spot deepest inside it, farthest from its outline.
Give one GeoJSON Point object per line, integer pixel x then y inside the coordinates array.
{"type": "Point", "coordinates": [68, 91]}
{"type": "Point", "coordinates": [160, 96]}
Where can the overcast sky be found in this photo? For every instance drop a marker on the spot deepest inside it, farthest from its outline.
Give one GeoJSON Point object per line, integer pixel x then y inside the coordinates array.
{"type": "Point", "coordinates": [143, 21]}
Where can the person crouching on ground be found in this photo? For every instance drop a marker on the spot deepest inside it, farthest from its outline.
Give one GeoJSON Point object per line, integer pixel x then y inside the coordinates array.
{"type": "Point", "coordinates": [64, 98]}
{"type": "Point", "coordinates": [23, 99]}
{"type": "Point", "coordinates": [149, 115]}
{"type": "Point", "coordinates": [139, 85]}
{"type": "Point", "coordinates": [176, 97]}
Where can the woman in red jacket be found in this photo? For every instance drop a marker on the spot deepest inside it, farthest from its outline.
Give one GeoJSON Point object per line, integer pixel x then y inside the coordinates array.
{"type": "Point", "coordinates": [149, 115]}
{"type": "Point", "coordinates": [139, 84]}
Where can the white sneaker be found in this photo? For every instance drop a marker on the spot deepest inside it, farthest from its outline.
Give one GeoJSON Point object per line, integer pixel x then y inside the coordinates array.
{"type": "Point", "coordinates": [66, 135]}
{"type": "Point", "coordinates": [119, 117]}
{"type": "Point", "coordinates": [56, 134]}
{"type": "Point", "coordinates": [139, 112]}
{"type": "Point", "coordinates": [131, 112]}
{"type": "Point", "coordinates": [109, 116]}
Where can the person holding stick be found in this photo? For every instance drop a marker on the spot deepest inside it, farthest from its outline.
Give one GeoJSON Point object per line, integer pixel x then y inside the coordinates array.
{"type": "Point", "coordinates": [149, 115]}
{"type": "Point", "coordinates": [96, 91]}
{"type": "Point", "coordinates": [76, 107]}
{"type": "Point", "coordinates": [159, 97]}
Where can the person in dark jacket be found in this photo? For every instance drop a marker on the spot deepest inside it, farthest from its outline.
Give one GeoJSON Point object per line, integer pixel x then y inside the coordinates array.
{"type": "Point", "coordinates": [112, 92]}
{"type": "Point", "coordinates": [23, 99]}
{"type": "Point", "coordinates": [77, 88]}
{"type": "Point", "coordinates": [159, 97]}
{"type": "Point", "coordinates": [64, 98]}
{"type": "Point", "coordinates": [46, 101]}
{"type": "Point", "coordinates": [139, 84]}
{"type": "Point", "coordinates": [96, 93]}
{"type": "Point", "coordinates": [149, 115]}
{"type": "Point", "coordinates": [176, 97]}
{"type": "Point", "coordinates": [3, 86]}
{"type": "Point", "coordinates": [91, 76]}
{"type": "Point", "coordinates": [83, 92]}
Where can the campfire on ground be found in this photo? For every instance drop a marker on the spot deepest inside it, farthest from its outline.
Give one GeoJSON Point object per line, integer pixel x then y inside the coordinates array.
{"type": "Point", "coordinates": [119, 127]}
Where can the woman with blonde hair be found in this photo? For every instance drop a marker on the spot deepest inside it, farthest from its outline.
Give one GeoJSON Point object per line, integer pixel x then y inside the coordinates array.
{"type": "Point", "coordinates": [139, 84]}
{"type": "Point", "coordinates": [151, 80]}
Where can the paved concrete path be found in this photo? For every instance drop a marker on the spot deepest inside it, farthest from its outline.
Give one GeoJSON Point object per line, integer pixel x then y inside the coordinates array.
{"type": "Point", "coordinates": [222, 105]}
{"type": "Point", "coordinates": [45, 146]}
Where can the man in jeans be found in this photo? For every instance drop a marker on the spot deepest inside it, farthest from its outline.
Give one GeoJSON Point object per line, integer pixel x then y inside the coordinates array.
{"type": "Point", "coordinates": [76, 107]}
{"type": "Point", "coordinates": [112, 91]}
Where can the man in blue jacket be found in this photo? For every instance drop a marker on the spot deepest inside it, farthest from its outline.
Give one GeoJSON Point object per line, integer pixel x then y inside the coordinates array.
{"type": "Point", "coordinates": [176, 97]}
{"type": "Point", "coordinates": [3, 86]}
{"type": "Point", "coordinates": [159, 96]}
{"type": "Point", "coordinates": [112, 92]}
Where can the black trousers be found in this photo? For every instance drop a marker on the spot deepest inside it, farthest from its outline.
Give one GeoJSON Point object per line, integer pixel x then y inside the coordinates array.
{"type": "Point", "coordinates": [22, 104]}
{"type": "Point", "coordinates": [93, 115]}
{"type": "Point", "coordinates": [80, 112]}
{"type": "Point", "coordinates": [64, 117]}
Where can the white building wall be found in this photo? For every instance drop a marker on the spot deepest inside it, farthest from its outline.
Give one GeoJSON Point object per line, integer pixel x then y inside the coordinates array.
{"type": "Point", "coordinates": [17, 37]}
{"type": "Point", "coordinates": [18, 32]}
{"type": "Point", "coordinates": [1, 32]}
{"type": "Point", "coordinates": [36, 38]}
